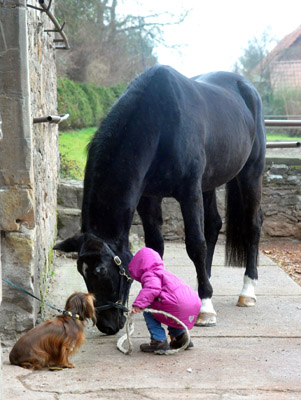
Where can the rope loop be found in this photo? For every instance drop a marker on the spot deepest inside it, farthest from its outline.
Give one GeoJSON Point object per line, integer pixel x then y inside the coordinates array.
{"type": "Point", "coordinates": [129, 328]}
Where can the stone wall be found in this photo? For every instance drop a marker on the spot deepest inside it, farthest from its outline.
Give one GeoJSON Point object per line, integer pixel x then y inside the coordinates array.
{"type": "Point", "coordinates": [43, 92]}
{"type": "Point", "coordinates": [1, 385]}
{"type": "Point", "coordinates": [281, 198]}
{"type": "Point", "coordinates": [281, 204]}
{"type": "Point", "coordinates": [28, 160]}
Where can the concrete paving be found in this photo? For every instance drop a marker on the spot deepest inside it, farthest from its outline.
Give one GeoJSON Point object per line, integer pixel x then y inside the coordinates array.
{"type": "Point", "coordinates": [252, 353]}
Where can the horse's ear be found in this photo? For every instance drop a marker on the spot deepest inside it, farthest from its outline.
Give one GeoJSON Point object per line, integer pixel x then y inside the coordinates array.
{"type": "Point", "coordinates": [91, 246]}
{"type": "Point", "coordinates": [71, 244]}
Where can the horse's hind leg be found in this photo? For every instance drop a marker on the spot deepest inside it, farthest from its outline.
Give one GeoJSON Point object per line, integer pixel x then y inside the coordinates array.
{"type": "Point", "coordinates": [149, 209]}
{"type": "Point", "coordinates": [246, 233]}
{"type": "Point", "coordinates": [252, 195]}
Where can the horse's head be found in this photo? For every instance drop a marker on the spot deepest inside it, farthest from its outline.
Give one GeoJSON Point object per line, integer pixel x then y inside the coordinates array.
{"type": "Point", "coordinates": [106, 276]}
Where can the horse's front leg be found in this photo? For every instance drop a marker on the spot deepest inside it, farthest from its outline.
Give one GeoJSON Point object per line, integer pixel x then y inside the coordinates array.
{"type": "Point", "coordinates": [150, 212]}
{"type": "Point", "coordinates": [192, 209]}
{"type": "Point", "coordinates": [213, 224]}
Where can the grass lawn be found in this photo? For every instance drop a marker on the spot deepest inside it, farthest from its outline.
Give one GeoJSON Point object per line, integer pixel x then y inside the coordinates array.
{"type": "Point", "coordinates": [73, 151]}
{"type": "Point", "coordinates": [281, 138]}
{"type": "Point", "coordinates": [73, 144]}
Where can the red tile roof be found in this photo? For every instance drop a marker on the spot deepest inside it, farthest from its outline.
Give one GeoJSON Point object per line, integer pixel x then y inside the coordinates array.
{"type": "Point", "coordinates": [282, 45]}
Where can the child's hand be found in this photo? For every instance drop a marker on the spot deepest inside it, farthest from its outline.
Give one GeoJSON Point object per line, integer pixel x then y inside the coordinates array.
{"type": "Point", "coordinates": [135, 310]}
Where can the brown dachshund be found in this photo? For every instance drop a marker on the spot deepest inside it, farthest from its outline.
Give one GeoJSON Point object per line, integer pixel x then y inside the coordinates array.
{"type": "Point", "coordinates": [51, 343]}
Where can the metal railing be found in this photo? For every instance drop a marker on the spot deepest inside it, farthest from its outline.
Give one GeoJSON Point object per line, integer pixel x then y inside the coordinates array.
{"type": "Point", "coordinates": [52, 119]}
{"type": "Point", "coordinates": [280, 145]}
{"type": "Point", "coordinates": [283, 123]}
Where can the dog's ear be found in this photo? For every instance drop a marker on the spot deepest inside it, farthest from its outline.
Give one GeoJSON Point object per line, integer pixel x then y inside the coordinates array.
{"type": "Point", "coordinates": [82, 304]}
{"type": "Point", "coordinates": [88, 308]}
{"type": "Point", "coordinates": [72, 244]}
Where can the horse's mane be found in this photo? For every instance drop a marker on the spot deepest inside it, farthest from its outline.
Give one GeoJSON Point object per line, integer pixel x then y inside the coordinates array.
{"type": "Point", "coordinates": [111, 127]}
{"type": "Point", "coordinates": [104, 147]}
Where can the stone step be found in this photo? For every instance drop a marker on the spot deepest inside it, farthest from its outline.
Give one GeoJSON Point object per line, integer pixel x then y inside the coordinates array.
{"type": "Point", "coordinates": [70, 194]}
{"type": "Point", "coordinates": [68, 222]}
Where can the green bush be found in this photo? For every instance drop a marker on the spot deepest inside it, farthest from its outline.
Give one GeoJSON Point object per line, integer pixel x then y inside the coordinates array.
{"type": "Point", "coordinates": [287, 101]}
{"type": "Point", "coordinates": [76, 103]}
{"type": "Point", "coordinates": [94, 101]}
{"type": "Point", "coordinates": [70, 168]}
{"type": "Point", "coordinates": [86, 104]}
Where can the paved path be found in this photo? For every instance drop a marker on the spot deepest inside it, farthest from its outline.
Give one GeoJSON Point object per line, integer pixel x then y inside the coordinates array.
{"type": "Point", "coordinates": [251, 354]}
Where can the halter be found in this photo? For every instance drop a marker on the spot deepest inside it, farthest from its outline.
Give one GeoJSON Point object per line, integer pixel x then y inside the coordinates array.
{"type": "Point", "coordinates": [125, 279]}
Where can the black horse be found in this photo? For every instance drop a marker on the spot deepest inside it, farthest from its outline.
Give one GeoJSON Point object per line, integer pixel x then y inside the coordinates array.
{"type": "Point", "coordinates": [170, 136]}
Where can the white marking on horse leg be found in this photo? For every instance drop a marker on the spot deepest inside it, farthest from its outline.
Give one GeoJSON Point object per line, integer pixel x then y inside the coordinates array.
{"type": "Point", "coordinates": [207, 307]}
{"type": "Point", "coordinates": [207, 314]}
{"type": "Point", "coordinates": [247, 296]}
{"type": "Point", "coordinates": [248, 289]}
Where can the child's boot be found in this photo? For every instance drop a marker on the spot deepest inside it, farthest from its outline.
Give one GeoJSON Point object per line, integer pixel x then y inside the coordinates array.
{"type": "Point", "coordinates": [154, 345]}
{"type": "Point", "coordinates": [179, 341]}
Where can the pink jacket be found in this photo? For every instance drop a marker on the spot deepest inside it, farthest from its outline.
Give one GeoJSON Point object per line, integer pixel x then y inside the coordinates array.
{"type": "Point", "coordinates": [163, 290]}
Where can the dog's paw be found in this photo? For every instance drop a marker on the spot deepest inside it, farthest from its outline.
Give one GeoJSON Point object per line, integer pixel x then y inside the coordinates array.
{"type": "Point", "coordinates": [53, 368]}
{"type": "Point", "coordinates": [69, 365]}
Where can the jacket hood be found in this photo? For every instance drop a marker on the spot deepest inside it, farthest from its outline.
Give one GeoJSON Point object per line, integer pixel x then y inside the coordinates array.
{"type": "Point", "coordinates": [144, 260]}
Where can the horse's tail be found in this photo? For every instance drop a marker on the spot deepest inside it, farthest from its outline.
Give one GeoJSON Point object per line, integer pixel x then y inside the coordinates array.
{"type": "Point", "coordinates": [236, 243]}
{"type": "Point", "coordinates": [239, 233]}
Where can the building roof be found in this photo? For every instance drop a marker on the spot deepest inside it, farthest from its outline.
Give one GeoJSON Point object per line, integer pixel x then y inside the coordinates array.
{"type": "Point", "coordinates": [283, 45]}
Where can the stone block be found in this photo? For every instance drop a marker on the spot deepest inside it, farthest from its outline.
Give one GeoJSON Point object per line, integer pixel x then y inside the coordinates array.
{"type": "Point", "coordinates": [13, 16]}
{"type": "Point", "coordinates": [18, 249]}
{"type": "Point", "coordinates": [16, 208]}
{"type": "Point", "coordinates": [16, 140]}
{"type": "Point", "coordinates": [296, 170]}
{"type": "Point", "coordinates": [69, 222]}
{"type": "Point", "coordinates": [281, 227]}
{"type": "Point", "coordinates": [293, 179]}
{"type": "Point", "coordinates": [70, 194]}
{"type": "Point", "coordinates": [18, 309]}
{"type": "Point", "coordinates": [12, 3]}
{"type": "Point", "coordinates": [14, 98]}
{"type": "Point", "coordinates": [274, 178]}
{"type": "Point", "coordinates": [278, 169]}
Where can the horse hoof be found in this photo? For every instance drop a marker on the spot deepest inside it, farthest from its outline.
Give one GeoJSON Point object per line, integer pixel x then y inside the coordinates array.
{"type": "Point", "coordinates": [246, 301]}
{"type": "Point", "coordinates": [205, 319]}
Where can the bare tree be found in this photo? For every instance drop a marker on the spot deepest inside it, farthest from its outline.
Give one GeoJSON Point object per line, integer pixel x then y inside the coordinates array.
{"type": "Point", "coordinates": [254, 65]}
{"type": "Point", "coordinates": [106, 47]}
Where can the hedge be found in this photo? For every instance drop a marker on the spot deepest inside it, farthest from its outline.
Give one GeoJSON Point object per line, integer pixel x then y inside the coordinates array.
{"type": "Point", "coordinates": [86, 104]}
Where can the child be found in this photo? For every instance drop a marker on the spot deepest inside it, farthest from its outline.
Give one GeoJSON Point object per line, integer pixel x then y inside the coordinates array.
{"type": "Point", "coordinates": [162, 290]}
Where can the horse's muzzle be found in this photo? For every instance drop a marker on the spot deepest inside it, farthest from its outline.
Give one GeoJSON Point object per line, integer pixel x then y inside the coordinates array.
{"type": "Point", "coordinates": [110, 321]}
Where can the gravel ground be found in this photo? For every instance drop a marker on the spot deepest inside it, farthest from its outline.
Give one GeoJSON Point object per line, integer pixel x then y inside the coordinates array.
{"type": "Point", "coordinates": [287, 253]}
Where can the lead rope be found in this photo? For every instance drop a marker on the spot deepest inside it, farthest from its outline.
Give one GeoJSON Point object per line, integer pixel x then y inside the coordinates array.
{"type": "Point", "coordinates": [129, 328]}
